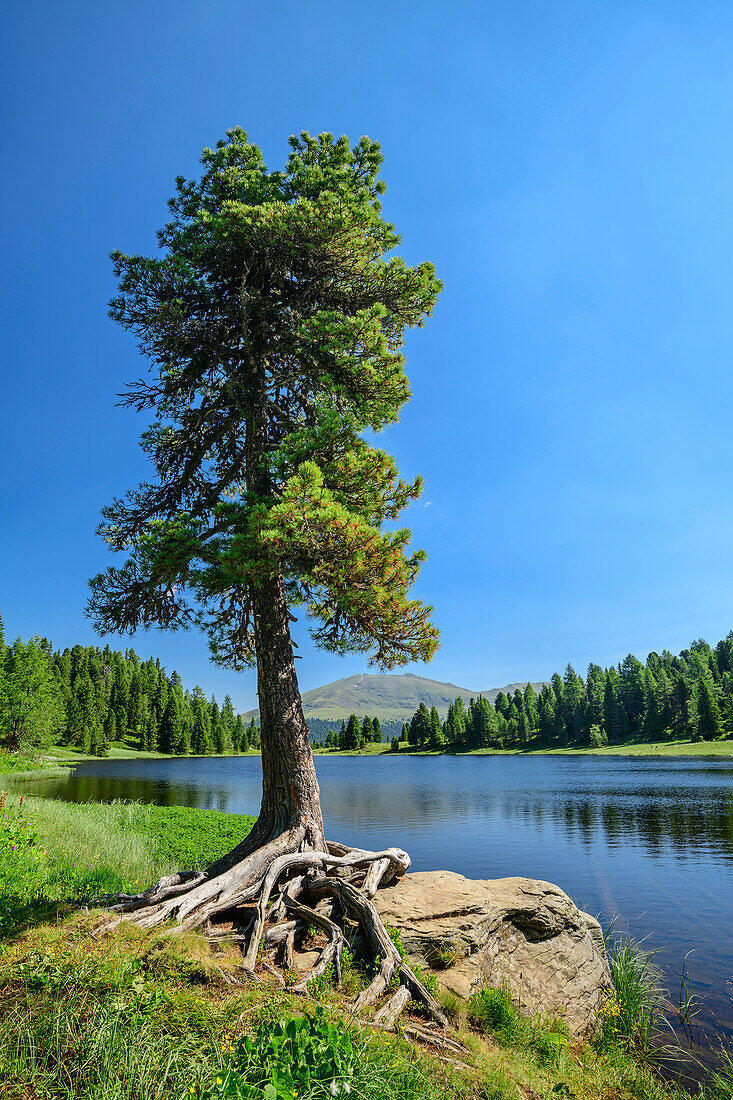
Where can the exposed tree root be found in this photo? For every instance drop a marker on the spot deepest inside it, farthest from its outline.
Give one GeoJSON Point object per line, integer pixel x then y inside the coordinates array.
{"type": "Point", "coordinates": [288, 888]}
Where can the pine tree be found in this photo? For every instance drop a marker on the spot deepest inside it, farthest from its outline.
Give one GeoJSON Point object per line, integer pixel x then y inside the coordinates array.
{"type": "Point", "coordinates": [31, 702]}
{"type": "Point", "coordinates": [456, 724]}
{"type": "Point", "coordinates": [615, 718]}
{"type": "Point", "coordinates": [239, 735]}
{"type": "Point", "coordinates": [160, 699]}
{"type": "Point", "coordinates": [708, 720]}
{"type": "Point", "coordinates": [436, 730]}
{"type": "Point", "coordinates": [171, 733]}
{"type": "Point", "coordinates": [573, 701]}
{"type": "Point", "coordinates": [227, 725]}
{"type": "Point", "coordinates": [651, 723]}
{"type": "Point", "coordinates": [135, 706]}
{"type": "Point", "coordinates": [632, 691]}
{"type": "Point", "coordinates": [419, 735]}
{"type": "Point", "coordinates": [253, 736]}
{"type": "Point", "coordinates": [352, 738]}
{"type": "Point", "coordinates": [595, 691]}
{"type": "Point", "coordinates": [91, 735]}
{"type": "Point", "coordinates": [377, 735]}
{"type": "Point", "coordinates": [110, 727]}
{"type": "Point", "coordinates": [531, 709]}
{"type": "Point", "coordinates": [484, 725]}
{"type": "Point", "coordinates": [150, 732]}
{"type": "Point", "coordinates": [546, 708]}
{"type": "Point", "coordinates": [201, 743]}
{"type": "Point", "coordinates": [560, 735]}
{"type": "Point", "coordinates": [217, 728]}
{"type": "Point", "coordinates": [273, 319]}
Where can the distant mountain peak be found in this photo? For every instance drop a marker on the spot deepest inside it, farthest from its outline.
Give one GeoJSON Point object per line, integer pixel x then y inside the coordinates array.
{"type": "Point", "coordinates": [387, 696]}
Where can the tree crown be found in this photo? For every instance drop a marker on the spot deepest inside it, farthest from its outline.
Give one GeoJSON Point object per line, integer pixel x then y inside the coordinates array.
{"type": "Point", "coordinates": [273, 321]}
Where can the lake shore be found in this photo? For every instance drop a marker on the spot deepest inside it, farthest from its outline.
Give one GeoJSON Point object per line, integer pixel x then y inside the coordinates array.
{"type": "Point", "coordinates": [130, 1010]}
{"type": "Point", "coordinates": [57, 759]}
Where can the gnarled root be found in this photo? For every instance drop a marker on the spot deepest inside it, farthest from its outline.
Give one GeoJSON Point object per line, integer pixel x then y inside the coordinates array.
{"type": "Point", "coordinates": [287, 879]}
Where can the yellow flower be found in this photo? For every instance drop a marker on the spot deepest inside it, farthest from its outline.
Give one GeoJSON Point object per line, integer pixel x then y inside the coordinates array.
{"type": "Point", "coordinates": [218, 1080]}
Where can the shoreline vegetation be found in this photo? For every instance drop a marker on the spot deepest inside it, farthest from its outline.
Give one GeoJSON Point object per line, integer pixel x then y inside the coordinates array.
{"type": "Point", "coordinates": [153, 1015]}
{"type": "Point", "coordinates": [84, 702]}
{"type": "Point", "coordinates": [57, 761]}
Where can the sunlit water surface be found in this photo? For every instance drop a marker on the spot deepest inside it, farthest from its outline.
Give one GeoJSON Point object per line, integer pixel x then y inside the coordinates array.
{"type": "Point", "coordinates": [647, 842]}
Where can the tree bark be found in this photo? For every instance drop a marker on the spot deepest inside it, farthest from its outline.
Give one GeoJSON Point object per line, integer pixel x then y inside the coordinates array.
{"type": "Point", "coordinates": [290, 793]}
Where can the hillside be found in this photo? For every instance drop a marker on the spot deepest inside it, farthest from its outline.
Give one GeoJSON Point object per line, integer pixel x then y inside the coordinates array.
{"type": "Point", "coordinates": [386, 697]}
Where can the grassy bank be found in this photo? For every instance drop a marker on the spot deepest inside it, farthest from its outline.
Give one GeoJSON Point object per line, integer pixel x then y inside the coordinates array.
{"type": "Point", "coordinates": [701, 749]}
{"type": "Point", "coordinates": [54, 854]}
{"type": "Point", "coordinates": [132, 1015]}
{"type": "Point", "coordinates": [712, 749]}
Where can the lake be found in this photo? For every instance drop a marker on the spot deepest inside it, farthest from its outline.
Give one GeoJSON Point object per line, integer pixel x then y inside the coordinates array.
{"type": "Point", "coordinates": [647, 842]}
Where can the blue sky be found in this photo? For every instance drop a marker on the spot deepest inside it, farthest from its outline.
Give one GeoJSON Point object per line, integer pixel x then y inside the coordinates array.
{"type": "Point", "coordinates": [568, 168]}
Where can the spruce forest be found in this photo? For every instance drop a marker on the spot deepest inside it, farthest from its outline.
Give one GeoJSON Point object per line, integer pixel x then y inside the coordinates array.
{"type": "Point", "coordinates": [87, 697]}
{"type": "Point", "coordinates": [668, 698]}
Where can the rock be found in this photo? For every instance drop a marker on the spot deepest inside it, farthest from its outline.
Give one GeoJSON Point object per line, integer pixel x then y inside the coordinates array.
{"type": "Point", "coordinates": [515, 933]}
{"type": "Point", "coordinates": [303, 961]}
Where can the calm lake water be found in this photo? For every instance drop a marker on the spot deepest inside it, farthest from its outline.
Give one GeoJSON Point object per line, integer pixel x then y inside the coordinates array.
{"type": "Point", "coordinates": [647, 842]}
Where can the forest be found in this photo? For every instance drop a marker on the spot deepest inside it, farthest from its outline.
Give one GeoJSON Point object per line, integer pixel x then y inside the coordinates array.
{"type": "Point", "coordinates": [668, 698]}
{"type": "Point", "coordinates": [86, 697]}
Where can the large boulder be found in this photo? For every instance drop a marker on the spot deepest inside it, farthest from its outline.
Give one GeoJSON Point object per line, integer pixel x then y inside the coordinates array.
{"type": "Point", "coordinates": [515, 933]}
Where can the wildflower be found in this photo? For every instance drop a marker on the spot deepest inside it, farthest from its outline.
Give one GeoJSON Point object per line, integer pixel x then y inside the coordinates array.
{"type": "Point", "coordinates": [218, 1081]}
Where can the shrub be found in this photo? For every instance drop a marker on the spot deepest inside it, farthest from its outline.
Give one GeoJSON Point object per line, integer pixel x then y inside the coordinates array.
{"type": "Point", "coordinates": [288, 1058]}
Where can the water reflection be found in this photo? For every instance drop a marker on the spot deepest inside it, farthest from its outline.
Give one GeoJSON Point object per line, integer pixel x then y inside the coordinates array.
{"type": "Point", "coordinates": [685, 819]}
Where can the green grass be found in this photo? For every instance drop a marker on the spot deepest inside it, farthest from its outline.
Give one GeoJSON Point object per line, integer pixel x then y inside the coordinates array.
{"type": "Point", "coordinates": [633, 1014]}
{"type": "Point", "coordinates": [710, 749]}
{"type": "Point", "coordinates": [135, 1016]}
{"type": "Point", "coordinates": [53, 854]}
{"type": "Point", "coordinates": [118, 750]}
{"type": "Point", "coordinates": [122, 1019]}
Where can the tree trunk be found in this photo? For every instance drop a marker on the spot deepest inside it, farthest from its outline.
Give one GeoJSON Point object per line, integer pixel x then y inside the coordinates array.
{"type": "Point", "coordinates": [290, 794]}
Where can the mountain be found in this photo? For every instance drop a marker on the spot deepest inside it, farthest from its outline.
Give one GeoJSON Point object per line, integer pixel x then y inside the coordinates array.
{"type": "Point", "coordinates": [386, 697]}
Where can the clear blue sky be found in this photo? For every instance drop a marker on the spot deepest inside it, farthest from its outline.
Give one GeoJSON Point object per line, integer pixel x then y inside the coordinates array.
{"type": "Point", "coordinates": [568, 168]}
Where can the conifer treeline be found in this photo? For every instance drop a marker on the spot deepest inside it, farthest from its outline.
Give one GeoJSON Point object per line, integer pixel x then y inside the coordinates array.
{"type": "Point", "coordinates": [668, 698]}
{"type": "Point", "coordinates": [88, 697]}
{"type": "Point", "coordinates": [352, 734]}
{"type": "Point", "coordinates": [320, 728]}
